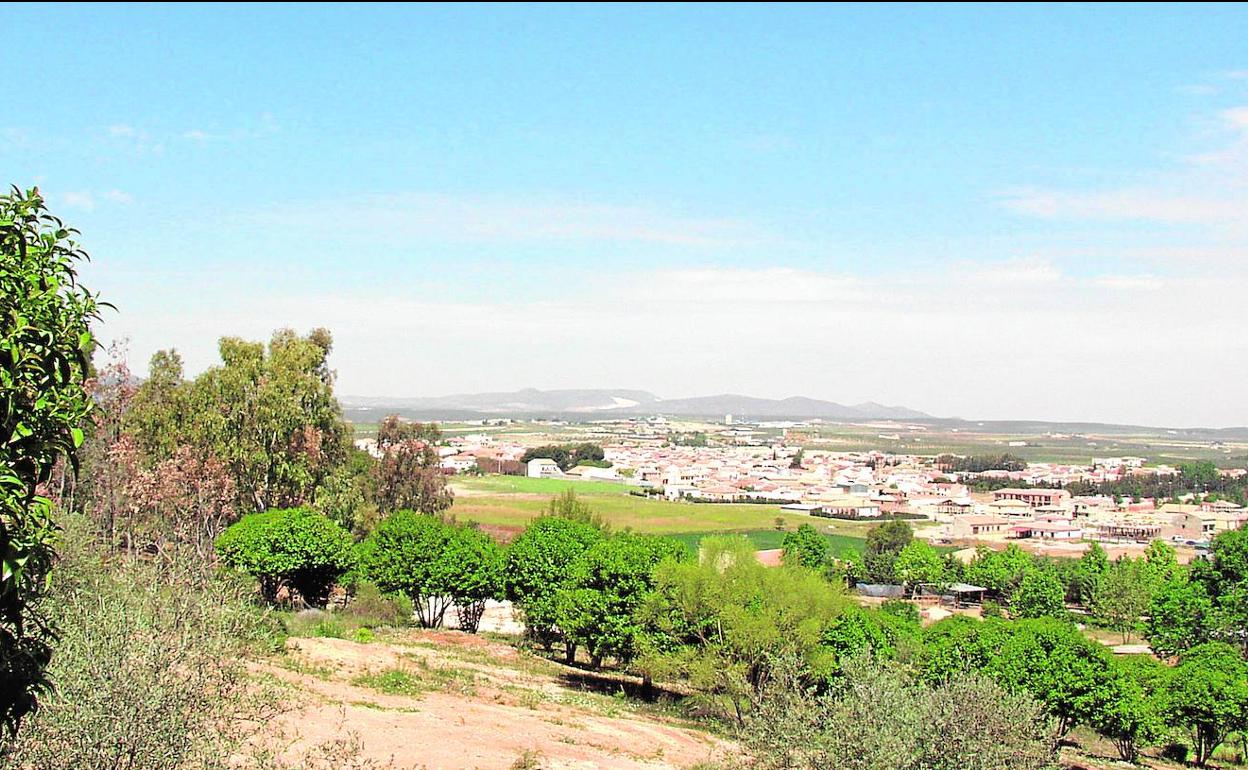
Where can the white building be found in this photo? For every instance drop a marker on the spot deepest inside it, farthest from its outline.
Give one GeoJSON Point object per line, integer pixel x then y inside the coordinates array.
{"type": "Point", "coordinates": [543, 468]}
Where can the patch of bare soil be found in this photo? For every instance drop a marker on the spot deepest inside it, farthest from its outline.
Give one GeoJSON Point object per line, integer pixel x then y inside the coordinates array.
{"type": "Point", "coordinates": [449, 701]}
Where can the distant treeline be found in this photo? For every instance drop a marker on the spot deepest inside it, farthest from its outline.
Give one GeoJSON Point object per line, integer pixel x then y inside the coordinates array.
{"type": "Point", "coordinates": [568, 456]}
{"type": "Point", "coordinates": [980, 463]}
{"type": "Point", "coordinates": [1198, 478]}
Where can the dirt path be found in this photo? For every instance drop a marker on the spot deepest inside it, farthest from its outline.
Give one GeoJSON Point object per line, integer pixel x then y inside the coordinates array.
{"type": "Point", "coordinates": [465, 702]}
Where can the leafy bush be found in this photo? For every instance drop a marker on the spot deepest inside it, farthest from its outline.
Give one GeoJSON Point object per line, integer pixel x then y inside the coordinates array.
{"type": "Point", "coordinates": [539, 564]}
{"type": "Point", "coordinates": [148, 668]}
{"type": "Point", "coordinates": [45, 340]}
{"type": "Point", "coordinates": [722, 620]}
{"type": "Point", "coordinates": [294, 547]}
{"type": "Point", "coordinates": [474, 573]}
{"type": "Point", "coordinates": [879, 720]}
{"type": "Point", "coordinates": [434, 564]}
{"type": "Point", "coordinates": [371, 608]}
{"type": "Point", "coordinates": [402, 555]}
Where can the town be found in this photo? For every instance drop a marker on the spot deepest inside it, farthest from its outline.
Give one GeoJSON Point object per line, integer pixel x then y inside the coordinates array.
{"type": "Point", "coordinates": [734, 462]}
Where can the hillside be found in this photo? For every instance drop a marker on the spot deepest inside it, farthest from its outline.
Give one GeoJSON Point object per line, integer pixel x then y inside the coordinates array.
{"type": "Point", "coordinates": [589, 404]}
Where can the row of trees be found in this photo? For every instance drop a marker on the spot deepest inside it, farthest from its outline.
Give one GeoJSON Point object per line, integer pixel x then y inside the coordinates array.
{"type": "Point", "coordinates": [568, 456]}
{"type": "Point", "coordinates": [950, 463]}
{"type": "Point", "coordinates": [1174, 607]}
{"type": "Point", "coordinates": [299, 554]}
{"type": "Point", "coordinates": [1194, 478]}
{"type": "Point", "coordinates": [170, 462]}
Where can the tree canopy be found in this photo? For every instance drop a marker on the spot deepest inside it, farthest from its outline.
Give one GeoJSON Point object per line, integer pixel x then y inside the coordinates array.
{"type": "Point", "coordinates": [45, 347]}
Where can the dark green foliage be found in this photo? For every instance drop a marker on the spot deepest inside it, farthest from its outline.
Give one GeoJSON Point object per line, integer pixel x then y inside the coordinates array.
{"type": "Point", "coordinates": [474, 573]}
{"type": "Point", "coordinates": [567, 456]}
{"type": "Point", "coordinates": [959, 645]}
{"type": "Point", "coordinates": [1179, 617]}
{"type": "Point", "coordinates": [1198, 480]}
{"type": "Point", "coordinates": [1039, 595]}
{"type": "Point", "coordinates": [1207, 602]}
{"type": "Point", "coordinates": [981, 463]}
{"type": "Point", "coordinates": [45, 344]}
{"type": "Point", "coordinates": [1122, 596]}
{"type": "Point", "coordinates": [1199, 476]}
{"type": "Point", "coordinates": [539, 564]}
{"type": "Point", "coordinates": [918, 564]}
{"type": "Point", "coordinates": [1050, 659]}
{"type": "Point", "coordinates": [1134, 714]}
{"type": "Point", "coordinates": [905, 611]}
{"type": "Point", "coordinates": [609, 582]}
{"type": "Point", "coordinates": [884, 543]}
{"type": "Point", "coordinates": [1209, 695]}
{"type": "Point", "coordinates": [1001, 572]}
{"type": "Point", "coordinates": [805, 548]}
{"type": "Point", "coordinates": [879, 634]}
{"type": "Point", "coordinates": [294, 548]}
{"type": "Point", "coordinates": [404, 555]}
{"type": "Point", "coordinates": [1087, 575]}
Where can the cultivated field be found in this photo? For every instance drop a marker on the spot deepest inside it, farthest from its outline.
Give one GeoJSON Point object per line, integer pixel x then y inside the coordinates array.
{"type": "Point", "coordinates": [513, 501]}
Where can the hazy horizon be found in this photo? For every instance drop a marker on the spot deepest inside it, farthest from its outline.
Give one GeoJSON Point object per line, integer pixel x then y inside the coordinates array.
{"type": "Point", "coordinates": [1029, 212]}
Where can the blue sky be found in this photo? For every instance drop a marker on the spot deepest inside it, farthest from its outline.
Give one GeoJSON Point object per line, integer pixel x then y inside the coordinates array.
{"type": "Point", "coordinates": [1001, 212]}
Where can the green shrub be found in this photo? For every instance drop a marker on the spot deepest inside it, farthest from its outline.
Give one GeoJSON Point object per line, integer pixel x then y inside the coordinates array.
{"type": "Point", "coordinates": [877, 719]}
{"type": "Point", "coordinates": [295, 547]}
{"type": "Point", "coordinates": [148, 667]}
{"type": "Point", "coordinates": [371, 608]}
{"type": "Point", "coordinates": [402, 555]}
{"type": "Point", "coordinates": [435, 564]}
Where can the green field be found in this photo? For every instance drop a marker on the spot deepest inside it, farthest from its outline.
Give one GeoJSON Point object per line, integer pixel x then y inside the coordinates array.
{"type": "Point", "coordinates": [514, 501]}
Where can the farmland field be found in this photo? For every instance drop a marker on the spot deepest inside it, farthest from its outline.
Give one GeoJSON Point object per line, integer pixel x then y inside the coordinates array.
{"type": "Point", "coordinates": [513, 501]}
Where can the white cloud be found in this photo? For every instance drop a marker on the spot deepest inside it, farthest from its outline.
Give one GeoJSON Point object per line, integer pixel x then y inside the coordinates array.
{"type": "Point", "coordinates": [1010, 340]}
{"type": "Point", "coordinates": [266, 125]}
{"type": "Point", "coordinates": [119, 196]}
{"type": "Point", "coordinates": [1236, 117]}
{"type": "Point", "coordinates": [1138, 203]}
{"type": "Point", "coordinates": [79, 200]}
{"type": "Point", "coordinates": [1205, 192]}
{"type": "Point", "coordinates": [121, 129]}
{"type": "Point", "coordinates": [1130, 282]}
{"type": "Point", "coordinates": [480, 218]}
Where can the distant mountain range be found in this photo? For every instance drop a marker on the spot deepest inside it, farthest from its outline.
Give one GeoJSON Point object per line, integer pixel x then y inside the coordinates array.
{"type": "Point", "coordinates": [603, 403]}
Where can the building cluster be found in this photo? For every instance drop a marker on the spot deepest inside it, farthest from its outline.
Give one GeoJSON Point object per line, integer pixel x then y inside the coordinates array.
{"type": "Point", "coordinates": [870, 485]}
